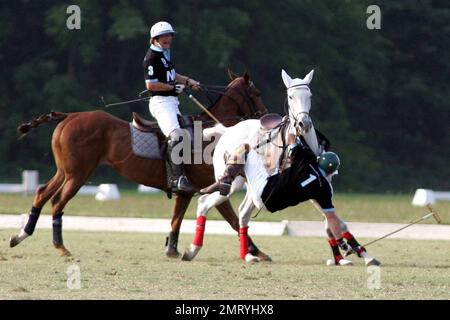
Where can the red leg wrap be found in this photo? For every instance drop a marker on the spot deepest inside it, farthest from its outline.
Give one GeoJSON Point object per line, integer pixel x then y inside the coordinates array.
{"type": "Point", "coordinates": [199, 231]}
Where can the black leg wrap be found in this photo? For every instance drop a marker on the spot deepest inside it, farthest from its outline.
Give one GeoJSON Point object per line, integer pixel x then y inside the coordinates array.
{"type": "Point", "coordinates": [172, 240]}
{"type": "Point", "coordinates": [252, 248]}
{"type": "Point", "coordinates": [57, 229]}
{"type": "Point", "coordinates": [32, 220]}
{"type": "Point", "coordinates": [171, 245]}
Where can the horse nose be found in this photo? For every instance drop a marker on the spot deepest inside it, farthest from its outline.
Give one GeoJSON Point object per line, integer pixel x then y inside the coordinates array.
{"type": "Point", "coordinates": [306, 123]}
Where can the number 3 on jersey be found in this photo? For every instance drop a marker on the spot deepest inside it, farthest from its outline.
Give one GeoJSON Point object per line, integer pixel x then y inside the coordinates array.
{"type": "Point", "coordinates": [150, 70]}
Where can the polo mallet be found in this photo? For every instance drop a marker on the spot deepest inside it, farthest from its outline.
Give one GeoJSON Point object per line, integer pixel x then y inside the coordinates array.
{"type": "Point", "coordinates": [432, 213]}
{"type": "Point", "coordinates": [126, 102]}
{"type": "Point", "coordinates": [201, 106]}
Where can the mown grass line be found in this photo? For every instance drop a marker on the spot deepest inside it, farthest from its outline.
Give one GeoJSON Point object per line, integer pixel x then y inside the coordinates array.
{"type": "Point", "coordinates": [352, 207]}
{"type": "Point", "coordinates": [133, 266]}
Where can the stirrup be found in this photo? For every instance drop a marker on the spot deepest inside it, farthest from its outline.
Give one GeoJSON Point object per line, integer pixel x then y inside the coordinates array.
{"type": "Point", "coordinates": [183, 185]}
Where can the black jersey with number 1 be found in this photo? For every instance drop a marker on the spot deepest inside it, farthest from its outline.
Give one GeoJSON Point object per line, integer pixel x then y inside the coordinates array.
{"type": "Point", "coordinates": [300, 182]}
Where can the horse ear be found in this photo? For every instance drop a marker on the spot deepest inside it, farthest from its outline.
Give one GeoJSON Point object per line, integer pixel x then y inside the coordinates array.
{"type": "Point", "coordinates": [246, 77]}
{"type": "Point", "coordinates": [286, 78]}
{"type": "Point", "coordinates": [232, 75]}
{"type": "Point", "coordinates": [309, 76]}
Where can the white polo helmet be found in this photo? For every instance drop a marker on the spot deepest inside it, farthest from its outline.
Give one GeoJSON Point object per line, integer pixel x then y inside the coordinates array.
{"type": "Point", "coordinates": [160, 28]}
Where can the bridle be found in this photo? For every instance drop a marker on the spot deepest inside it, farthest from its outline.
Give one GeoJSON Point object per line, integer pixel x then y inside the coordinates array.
{"type": "Point", "coordinates": [247, 99]}
{"type": "Point", "coordinates": [298, 125]}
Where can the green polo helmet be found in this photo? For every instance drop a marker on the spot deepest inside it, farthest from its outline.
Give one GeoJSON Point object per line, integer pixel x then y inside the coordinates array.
{"type": "Point", "coordinates": [329, 162]}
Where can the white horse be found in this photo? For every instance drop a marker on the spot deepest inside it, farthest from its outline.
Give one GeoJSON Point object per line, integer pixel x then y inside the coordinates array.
{"type": "Point", "coordinates": [270, 144]}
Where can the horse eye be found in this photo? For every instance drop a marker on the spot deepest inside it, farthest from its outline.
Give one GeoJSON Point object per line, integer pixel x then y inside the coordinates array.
{"type": "Point", "coordinates": [290, 97]}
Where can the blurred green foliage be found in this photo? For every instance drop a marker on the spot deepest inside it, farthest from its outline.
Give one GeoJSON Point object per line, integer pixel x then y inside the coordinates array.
{"type": "Point", "coordinates": [382, 96]}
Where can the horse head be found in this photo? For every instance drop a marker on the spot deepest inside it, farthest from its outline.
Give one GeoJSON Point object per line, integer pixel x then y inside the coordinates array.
{"type": "Point", "coordinates": [299, 100]}
{"type": "Point", "coordinates": [247, 98]}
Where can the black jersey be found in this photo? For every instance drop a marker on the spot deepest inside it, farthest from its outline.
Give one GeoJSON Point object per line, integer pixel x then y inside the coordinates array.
{"type": "Point", "coordinates": [159, 69]}
{"type": "Point", "coordinates": [300, 182]}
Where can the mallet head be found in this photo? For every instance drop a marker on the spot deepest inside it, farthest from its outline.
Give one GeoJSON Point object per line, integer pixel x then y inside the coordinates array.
{"type": "Point", "coordinates": [435, 214]}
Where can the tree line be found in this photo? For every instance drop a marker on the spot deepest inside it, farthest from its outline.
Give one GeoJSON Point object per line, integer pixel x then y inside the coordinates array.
{"type": "Point", "coordinates": [381, 96]}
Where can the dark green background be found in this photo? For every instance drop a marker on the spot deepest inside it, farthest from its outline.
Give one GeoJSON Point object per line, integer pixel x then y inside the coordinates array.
{"type": "Point", "coordinates": [382, 96]}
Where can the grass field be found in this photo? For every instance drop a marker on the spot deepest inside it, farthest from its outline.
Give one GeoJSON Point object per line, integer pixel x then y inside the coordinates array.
{"type": "Point", "coordinates": [133, 266]}
{"type": "Point", "coordinates": [352, 207]}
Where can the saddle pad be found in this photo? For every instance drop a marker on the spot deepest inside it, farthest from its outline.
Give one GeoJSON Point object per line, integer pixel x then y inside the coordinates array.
{"type": "Point", "coordinates": [145, 144]}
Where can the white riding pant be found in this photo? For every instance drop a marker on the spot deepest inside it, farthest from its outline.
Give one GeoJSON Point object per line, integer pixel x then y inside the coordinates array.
{"type": "Point", "coordinates": [165, 110]}
{"type": "Point", "coordinates": [256, 174]}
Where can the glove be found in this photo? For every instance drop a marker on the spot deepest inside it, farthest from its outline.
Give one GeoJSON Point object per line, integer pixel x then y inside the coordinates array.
{"type": "Point", "coordinates": [179, 88]}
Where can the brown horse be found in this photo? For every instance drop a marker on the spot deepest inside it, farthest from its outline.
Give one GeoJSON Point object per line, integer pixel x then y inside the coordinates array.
{"type": "Point", "coordinates": [84, 140]}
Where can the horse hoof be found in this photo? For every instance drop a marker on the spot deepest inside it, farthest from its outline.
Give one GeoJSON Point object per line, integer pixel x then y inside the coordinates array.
{"type": "Point", "coordinates": [251, 258]}
{"type": "Point", "coordinates": [13, 241]}
{"type": "Point", "coordinates": [190, 253]}
{"type": "Point", "coordinates": [342, 262]}
{"type": "Point", "coordinates": [264, 257]}
{"type": "Point", "coordinates": [372, 262]}
{"type": "Point", "coordinates": [345, 262]}
{"type": "Point", "coordinates": [186, 256]}
{"type": "Point", "coordinates": [62, 251]}
{"type": "Point", "coordinates": [173, 253]}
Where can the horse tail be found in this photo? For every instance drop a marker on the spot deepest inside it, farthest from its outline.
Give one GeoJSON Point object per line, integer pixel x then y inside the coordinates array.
{"type": "Point", "coordinates": [218, 129]}
{"type": "Point", "coordinates": [26, 127]}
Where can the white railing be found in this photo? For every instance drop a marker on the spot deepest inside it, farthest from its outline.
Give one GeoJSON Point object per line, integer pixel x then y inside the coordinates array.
{"type": "Point", "coordinates": [424, 197]}
{"type": "Point", "coordinates": [30, 183]}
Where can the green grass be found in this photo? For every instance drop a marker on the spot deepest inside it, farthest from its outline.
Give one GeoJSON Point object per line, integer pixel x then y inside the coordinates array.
{"type": "Point", "coordinates": [352, 207]}
{"type": "Point", "coordinates": [133, 266]}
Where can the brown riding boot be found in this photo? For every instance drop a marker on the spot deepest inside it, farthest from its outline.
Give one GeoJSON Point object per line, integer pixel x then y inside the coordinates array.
{"type": "Point", "coordinates": [224, 183]}
{"type": "Point", "coordinates": [235, 164]}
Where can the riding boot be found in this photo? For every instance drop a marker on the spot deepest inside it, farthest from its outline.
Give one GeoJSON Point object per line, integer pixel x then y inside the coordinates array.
{"type": "Point", "coordinates": [235, 165]}
{"type": "Point", "coordinates": [177, 180]}
{"type": "Point", "coordinates": [224, 183]}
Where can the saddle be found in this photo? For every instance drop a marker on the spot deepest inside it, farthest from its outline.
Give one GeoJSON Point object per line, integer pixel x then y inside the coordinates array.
{"type": "Point", "coordinates": [144, 125]}
{"type": "Point", "coordinates": [147, 139]}
{"type": "Point", "coordinates": [270, 121]}
{"type": "Point", "coordinates": [273, 120]}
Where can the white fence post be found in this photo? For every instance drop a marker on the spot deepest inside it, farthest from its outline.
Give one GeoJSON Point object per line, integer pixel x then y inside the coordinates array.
{"type": "Point", "coordinates": [423, 197]}
{"type": "Point", "coordinates": [30, 181]}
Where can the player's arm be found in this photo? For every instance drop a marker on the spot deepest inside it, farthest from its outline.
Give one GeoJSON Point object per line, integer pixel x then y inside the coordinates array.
{"type": "Point", "coordinates": [151, 79]}
{"type": "Point", "coordinates": [159, 86]}
{"type": "Point", "coordinates": [185, 80]}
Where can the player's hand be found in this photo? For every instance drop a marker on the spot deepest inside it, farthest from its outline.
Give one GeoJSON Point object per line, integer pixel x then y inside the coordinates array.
{"type": "Point", "coordinates": [194, 85]}
{"type": "Point", "coordinates": [179, 88]}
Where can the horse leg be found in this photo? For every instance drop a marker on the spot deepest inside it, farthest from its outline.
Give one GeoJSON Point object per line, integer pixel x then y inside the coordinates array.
{"type": "Point", "coordinates": [43, 194]}
{"type": "Point", "coordinates": [179, 209]}
{"type": "Point", "coordinates": [245, 210]}
{"type": "Point", "coordinates": [205, 203]}
{"type": "Point", "coordinates": [59, 200]}
{"type": "Point", "coordinates": [227, 212]}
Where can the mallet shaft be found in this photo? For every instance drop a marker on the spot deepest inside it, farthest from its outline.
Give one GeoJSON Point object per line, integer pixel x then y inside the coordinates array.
{"type": "Point", "coordinates": [400, 229]}
{"type": "Point", "coordinates": [203, 108]}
